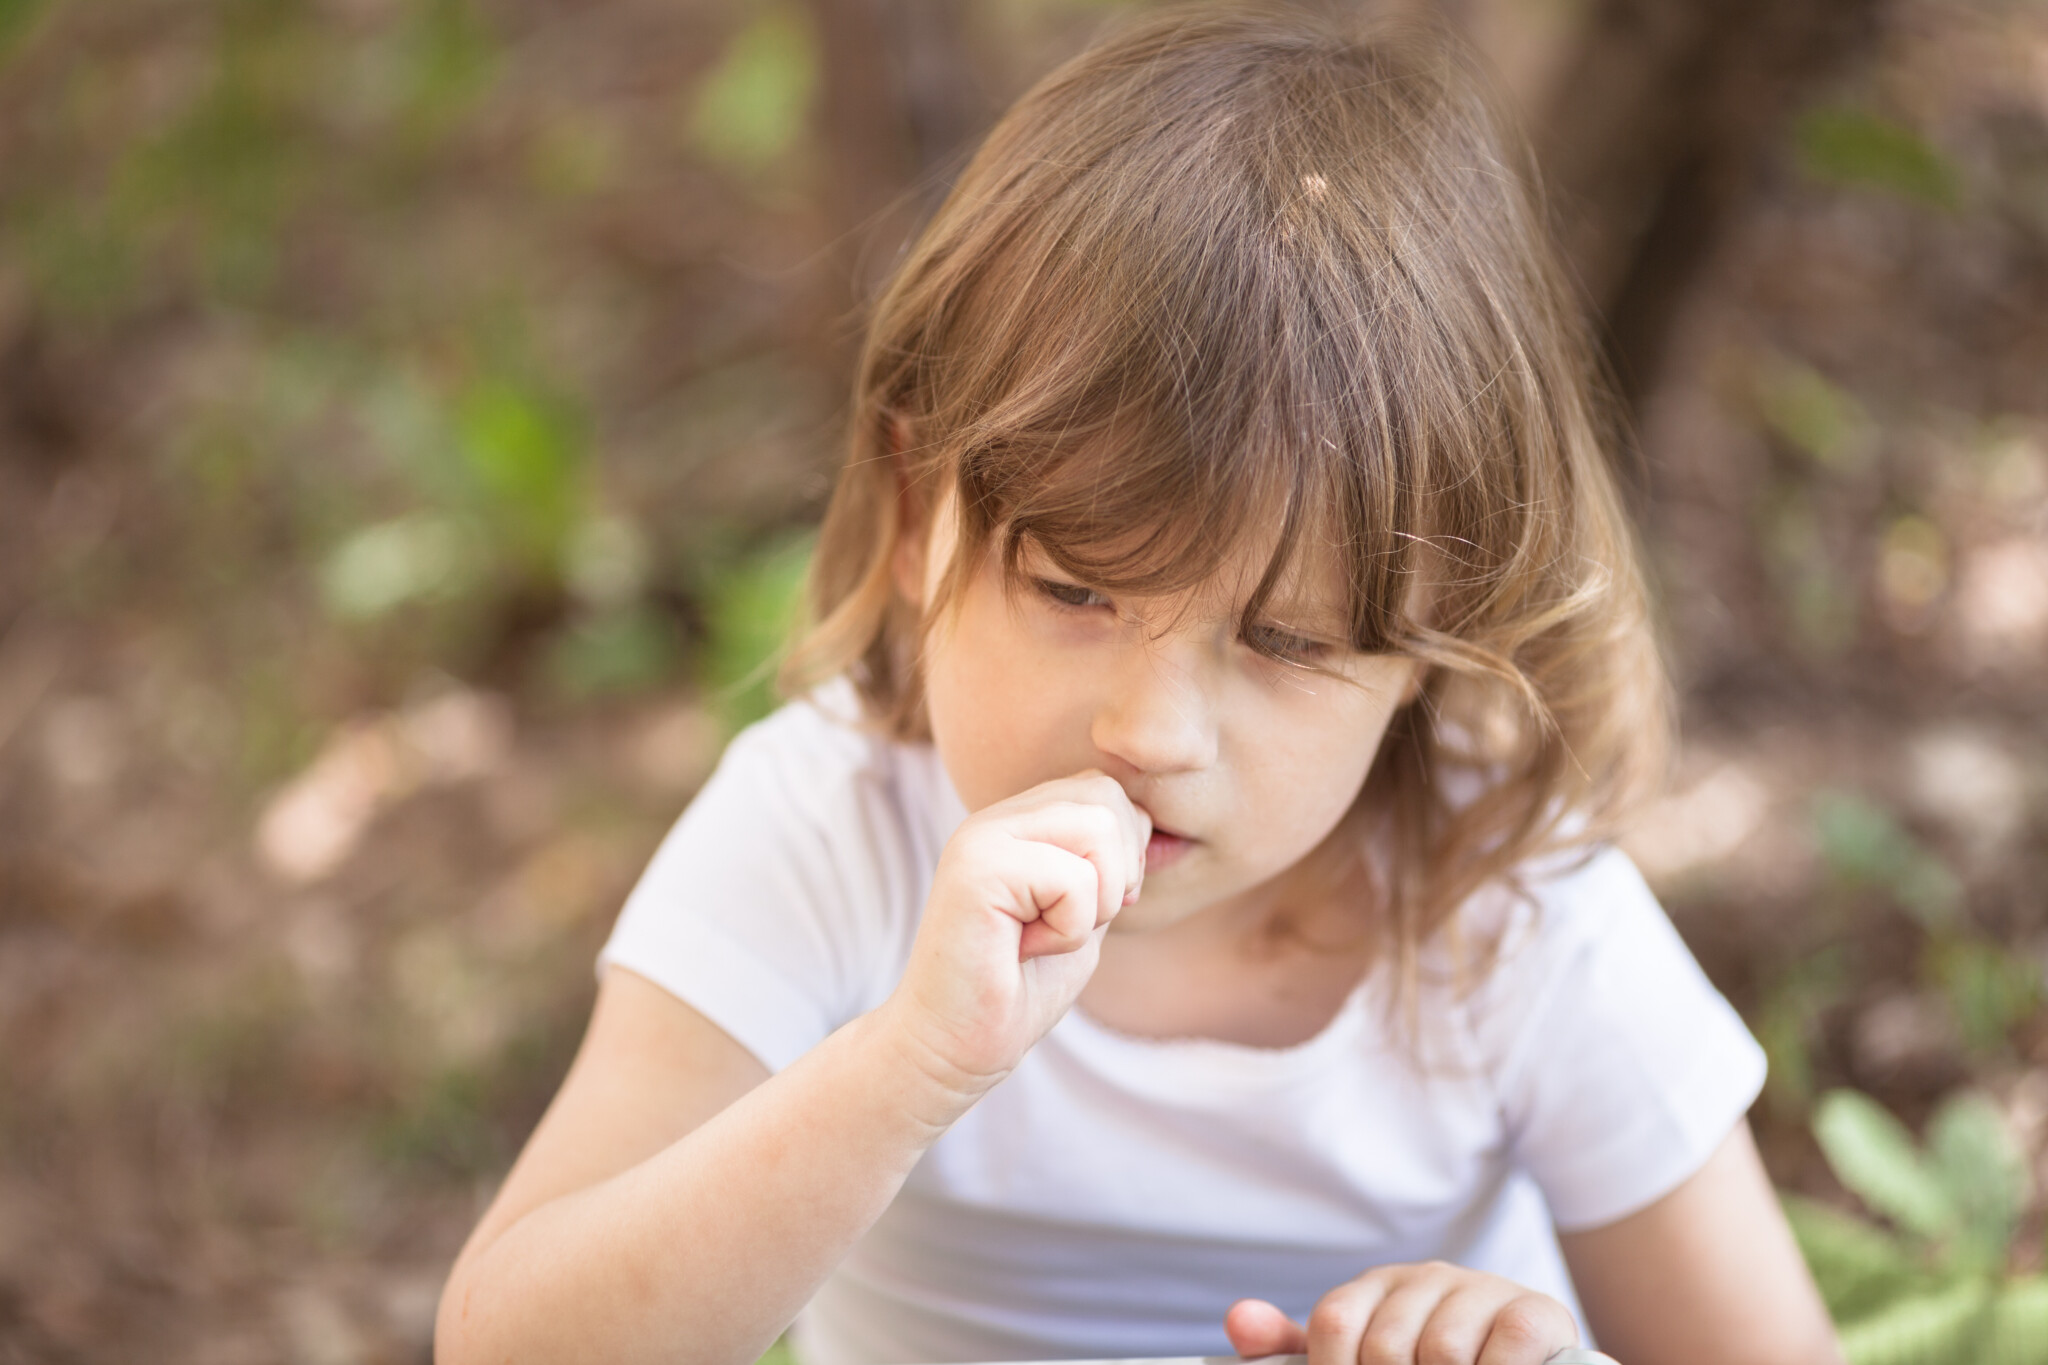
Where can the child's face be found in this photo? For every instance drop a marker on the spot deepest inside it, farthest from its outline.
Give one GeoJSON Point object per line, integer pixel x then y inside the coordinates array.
{"type": "Point", "coordinates": [1245, 764]}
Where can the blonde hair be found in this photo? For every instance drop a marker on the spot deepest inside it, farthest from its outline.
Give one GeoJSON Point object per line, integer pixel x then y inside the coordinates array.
{"type": "Point", "coordinates": [1228, 270]}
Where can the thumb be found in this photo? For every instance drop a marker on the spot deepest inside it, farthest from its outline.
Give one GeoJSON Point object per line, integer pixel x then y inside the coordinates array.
{"type": "Point", "coordinates": [1256, 1328]}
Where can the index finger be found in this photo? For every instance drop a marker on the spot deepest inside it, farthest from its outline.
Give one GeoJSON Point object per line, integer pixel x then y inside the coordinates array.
{"type": "Point", "coordinates": [1133, 819]}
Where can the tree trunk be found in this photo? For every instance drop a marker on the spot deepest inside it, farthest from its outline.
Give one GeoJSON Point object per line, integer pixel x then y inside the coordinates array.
{"type": "Point", "coordinates": [1653, 138]}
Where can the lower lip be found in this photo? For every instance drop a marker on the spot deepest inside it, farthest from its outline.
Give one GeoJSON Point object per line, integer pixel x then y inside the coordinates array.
{"type": "Point", "coordinates": [1164, 850]}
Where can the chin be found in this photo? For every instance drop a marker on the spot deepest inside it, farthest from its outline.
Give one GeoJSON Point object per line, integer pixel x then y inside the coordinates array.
{"type": "Point", "coordinates": [1146, 916]}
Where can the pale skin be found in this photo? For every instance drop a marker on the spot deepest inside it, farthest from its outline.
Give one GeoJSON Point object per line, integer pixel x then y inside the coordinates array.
{"type": "Point", "coordinates": [677, 1202]}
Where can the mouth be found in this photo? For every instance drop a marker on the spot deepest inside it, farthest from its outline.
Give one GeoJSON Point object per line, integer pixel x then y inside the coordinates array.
{"type": "Point", "coordinates": [1164, 849]}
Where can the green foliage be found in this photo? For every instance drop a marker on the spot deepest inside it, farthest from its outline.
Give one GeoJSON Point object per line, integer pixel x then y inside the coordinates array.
{"type": "Point", "coordinates": [1934, 1291]}
{"type": "Point", "coordinates": [1846, 146]}
{"type": "Point", "coordinates": [1861, 1268]}
{"type": "Point", "coordinates": [628, 649]}
{"type": "Point", "coordinates": [17, 18]}
{"type": "Point", "coordinates": [1989, 987]}
{"type": "Point", "coordinates": [1787, 1022]}
{"type": "Point", "coordinates": [1873, 1154]}
{"type": "Point", "coordinates": [754, 604]}
{"type": "Point", "coordinates": [1801, 405]}
{"type": "Point", "coordinates": [447, 1126]}
{"type": "Point", "coordinates": [410, 558]}
{"type": "Point", "coordinates": [750, 109]}
{"type": "Point", "coordinates": [451, 58]}
{"type": "Point", "coordinates": [1864, 846]}
{"type": "Point", "coordinates": [525, 455]}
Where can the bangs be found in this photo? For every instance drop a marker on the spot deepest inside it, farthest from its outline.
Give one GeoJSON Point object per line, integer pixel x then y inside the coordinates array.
{"type": "Point", "coordinates": [1271, 293]}
{"type": "Point", "coordinates": [1216, 333]}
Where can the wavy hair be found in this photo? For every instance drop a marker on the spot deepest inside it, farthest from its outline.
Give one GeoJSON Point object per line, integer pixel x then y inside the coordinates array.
{"type": "Point", "coordinates": [1233, 270]}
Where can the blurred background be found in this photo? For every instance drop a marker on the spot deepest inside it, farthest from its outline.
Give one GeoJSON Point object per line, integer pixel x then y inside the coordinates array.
{"type": "Point", "coordinates": [412, 415]}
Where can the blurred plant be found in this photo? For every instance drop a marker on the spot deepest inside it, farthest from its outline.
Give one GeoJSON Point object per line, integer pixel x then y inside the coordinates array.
{"type": "Point", "coordinates": [1864, 846]}
{"type": "Point", "coordinates": [523, 450]}
{"type": "Point", "coordinates": [1987, 987]}
{"type": "Point", "coordinates": [754, 603]}
{"type": "Point", "coordinates": [750, 110]}
{"type": "Point", "coordinates": [1912, 568]}
{"type": "Point", "coordinates": [16, 17]}
{"type": "Point", "coordinates": [1932, 1288]}
{"type": "Point", "coordinates": [1842, 145]}
{"type": "Point", "coordinates": [625, 649]}
{"type": "Point", "coordinates": [1809, 411]}
{"type": "Point", "coordinates": [1818, 598]}
{"type": "Point", "coordinates": [451, 59]}
{"type": "Point", "coordinates": [1788, 1022]}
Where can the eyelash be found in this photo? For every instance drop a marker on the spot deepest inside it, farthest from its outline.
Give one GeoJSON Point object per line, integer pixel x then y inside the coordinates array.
{"type": "Point", "coordinates": [1274, 644]}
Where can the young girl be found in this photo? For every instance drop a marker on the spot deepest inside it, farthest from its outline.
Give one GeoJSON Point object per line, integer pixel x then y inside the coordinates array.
{"type": "Point", "coordinates": [1174, 918]}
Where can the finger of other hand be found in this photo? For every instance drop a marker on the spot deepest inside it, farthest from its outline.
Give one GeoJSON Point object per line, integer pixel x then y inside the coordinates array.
{"type": "Point", "coordinates": [1528, 1331]}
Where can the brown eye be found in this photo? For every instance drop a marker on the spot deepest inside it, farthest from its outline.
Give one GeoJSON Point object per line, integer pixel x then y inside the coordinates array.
{"type": "Point", "coordinates": [1071, 594]}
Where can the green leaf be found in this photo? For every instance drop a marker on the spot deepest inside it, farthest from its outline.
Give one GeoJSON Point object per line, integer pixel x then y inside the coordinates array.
{"type": "Point", "coordinates": [627, 650]}
{"type": "Point", "coordinates": [1845, 146]}
{"type": "Point", "coordinates": [755, 603]}
{"type": "Point", "coordinates": [1859, 1266]}
{"type": "Point", "coordinates": [751, 109]}
{"type": "Point", "coordinates": [452, 60]}
{"type": "Point", "coordinates": [1863, 845]}
{"type": "Point", "coordinates": [2019, 1325]}
{"type": "Point", "coordinates": [17, 17]}
{"type": "Point", "coordinates": [406, 559]}
{"type": "Point", "coordinates": [525, 455]}
{"type": "Point", "coordinates": [1943, 1328]}
{"type": "Point", "coordinates": [1873, 1155]}
{"type": "Point", "coordinates": [1990, 988]}
{"type": "Point", "coordinates": [1810, 412]}
{"type": "Point", "coordinates": [1985, 1176]}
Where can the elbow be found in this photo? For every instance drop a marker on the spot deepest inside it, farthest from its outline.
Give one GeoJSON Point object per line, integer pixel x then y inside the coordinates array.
{"type": "Point", "coordinates": [455, 1338]}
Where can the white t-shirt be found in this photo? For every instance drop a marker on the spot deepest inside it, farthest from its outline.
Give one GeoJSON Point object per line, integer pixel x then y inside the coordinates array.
{"type": "Point", "coordinates": [1114, 1195]}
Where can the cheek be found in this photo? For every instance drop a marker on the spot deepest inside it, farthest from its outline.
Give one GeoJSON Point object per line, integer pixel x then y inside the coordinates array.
{"type": "Point", "coordinates": [1309, 769]}
{"type": "Point", "coordinates": [999, 717]}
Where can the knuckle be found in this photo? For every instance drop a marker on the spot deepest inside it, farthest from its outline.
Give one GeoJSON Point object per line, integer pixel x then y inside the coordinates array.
{"type": "Point", "coordinates": [1382, 1347]}
{"type": "Point", "coordinates": [1441, 1344]}
{"type": "Point", "coordinates": [1527, 1321]}
{"type": "Point", "coordinates": [1335, 1318]}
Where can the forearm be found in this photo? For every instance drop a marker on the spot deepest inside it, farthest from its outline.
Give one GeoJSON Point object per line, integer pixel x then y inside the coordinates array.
{"type": "Point", "coordinates": [706, 1251]}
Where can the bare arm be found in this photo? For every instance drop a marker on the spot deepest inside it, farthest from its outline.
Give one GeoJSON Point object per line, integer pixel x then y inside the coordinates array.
{"type": "Point", "coordinates": [678, 1203]}
{"type": "Point", "coordinates": [1707, 1275]}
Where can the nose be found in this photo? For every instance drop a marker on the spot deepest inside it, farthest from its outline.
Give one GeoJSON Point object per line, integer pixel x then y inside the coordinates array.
{"type": "Point", "coordinates": [1155, 714]}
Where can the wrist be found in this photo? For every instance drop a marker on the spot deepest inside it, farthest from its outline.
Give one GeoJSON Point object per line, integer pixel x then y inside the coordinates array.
{"type": "Point", "coordinates": [931, 1083]}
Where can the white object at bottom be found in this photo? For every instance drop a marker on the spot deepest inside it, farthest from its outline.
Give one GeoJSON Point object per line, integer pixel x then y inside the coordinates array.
{"type": "Point", "coordinates": [1570, 1355]}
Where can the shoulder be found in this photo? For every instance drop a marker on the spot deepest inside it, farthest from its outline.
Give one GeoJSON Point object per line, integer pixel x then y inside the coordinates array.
{"type": "Point", "coordinates": [1616, 1064]}
{"type": "Point", "coordinates": [1561, 925]}
{"type": "Point", "coordinates": [783, 900]}
{"type": "Point", "coordinates": [815, 760]}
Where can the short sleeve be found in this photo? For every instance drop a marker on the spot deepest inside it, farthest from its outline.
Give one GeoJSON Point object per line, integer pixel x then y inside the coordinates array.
{"type": "Point", "coordinates": [780, 904]}
{"type": "Point", "coordinates": [1618, 1067]}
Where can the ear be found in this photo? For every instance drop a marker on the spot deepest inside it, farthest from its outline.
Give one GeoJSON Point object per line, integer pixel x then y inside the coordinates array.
{"type": "Point", "coordinates": [913, 518]}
